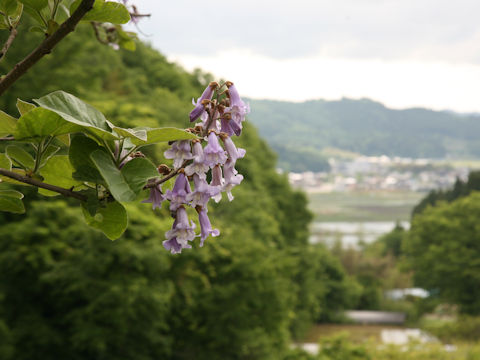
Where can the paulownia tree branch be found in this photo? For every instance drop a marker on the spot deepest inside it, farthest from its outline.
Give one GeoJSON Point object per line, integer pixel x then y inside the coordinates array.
{"type": "Point", "coordinates": [37, 183]}
{"type": "Point", "coordinates": [46, 46]}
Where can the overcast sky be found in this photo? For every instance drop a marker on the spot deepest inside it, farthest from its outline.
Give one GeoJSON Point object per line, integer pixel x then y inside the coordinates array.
{"type": "Point", "coordinates": [401, 52]}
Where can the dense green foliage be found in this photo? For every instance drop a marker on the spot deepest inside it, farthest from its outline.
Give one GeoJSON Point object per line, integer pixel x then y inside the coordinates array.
{"type": "Point", "coordinates": [68, 292]}
{"type": "Point", "coordinates": [443, 250]}
{"type": "Point", "coordinates": [459, 189]}
{"type": "Point", "coordinates": [362, 126]}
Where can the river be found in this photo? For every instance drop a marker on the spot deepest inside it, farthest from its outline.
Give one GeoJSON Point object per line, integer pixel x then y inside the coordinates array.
{"type": "Point", "coordinates": [350, 234]}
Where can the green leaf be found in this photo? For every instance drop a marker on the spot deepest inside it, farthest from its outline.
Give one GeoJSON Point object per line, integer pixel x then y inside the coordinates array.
{"type": "Point", "coordinates": [17, 14]}
{"type": "Point", "coordinates": [8, 7]}
{"type": "Point", "coordinates": [155, 135]}
{"type": "Point", "coordinates": [105, 11]}
{"type": "Point", "coordinates": [137, 172]}
{"type": "Point", "coordinates": [125, 184]}
{"type": "Point", "coordinates": [20, 157]}
{"type": "Point", "coordinates": [58, 171]}
{"type": "Point", "coordinates": [79, 155]}
{"type": "Point", "coordinates": [93, 203]}
{"type": "Point", "coordinates": [114, 179]}
{"type": "Point", "coordinates": [62, 13]}
{"type": "Point", "coordinates": [8, 124]}
{"type": "Point", "coordinates": [48, 153]}
{"type": "Point", "coordinates": [52, 26]}
{"type": "Point", "coordinates": [35, 4]}
{"type": "Point", "coordinates": [5, 162]}
{"type": "Point", "coordinates": [36, 16]}
{"type": "Point", "coordinates": [11, 201]}
{"type": "Point", "coordinates": [126, 39]}
{"type": "Point", "coordinates": [139, 134]}
{"type": "Point", "coordinates": [75, 111]}
{"type": "Point", "coordinates": [65, 138]}
{"type": "Point", "coordinates": [39, 122]}
{"type": "Point", "coordinates": [24, 107]}
{"type": "Point", "coordinates": [112, 219]}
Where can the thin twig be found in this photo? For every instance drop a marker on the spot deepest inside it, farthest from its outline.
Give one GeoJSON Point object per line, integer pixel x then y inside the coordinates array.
{"type": "Point", "coordinates": [37, 183]}
{"type": "Point", "coordinates": [6, 46]}
{"type": "Point", "coordinates": [166, 177]}
{"type": "Point", "coordinates": [7, 138]}
{"type": "Point", "coordinates": [46, 46]}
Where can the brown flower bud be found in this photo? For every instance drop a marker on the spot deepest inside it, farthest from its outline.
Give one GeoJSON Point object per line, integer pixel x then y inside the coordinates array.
{"type": "Point", "coordinates": [163, 169]}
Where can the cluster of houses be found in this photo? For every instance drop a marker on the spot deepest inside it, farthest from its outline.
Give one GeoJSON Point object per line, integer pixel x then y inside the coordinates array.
{"type": "Point", "coordinates": [367, 173]}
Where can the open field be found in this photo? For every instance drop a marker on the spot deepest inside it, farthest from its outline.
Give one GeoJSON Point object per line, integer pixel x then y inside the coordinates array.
{"type": "Point", "coordinates": [363, 206]}
{"type": "Point", "coordinates": [357, 333]}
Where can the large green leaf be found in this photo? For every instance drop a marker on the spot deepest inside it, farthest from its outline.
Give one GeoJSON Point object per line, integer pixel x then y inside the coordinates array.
{"type": "Point", "coordinates": [11, 201]}
{"type": "Point", "coordinates": [8, 7]}
{"type": "Point", "coordinates": [79, 155]}
{"type": "Point", "coordinates": [75, 111]}
{"type": "Point", "coordinates": [58, 171]}
{"type": "Point", "coordinates": [20, 157]}
{"type": "Point", "coordinates": [112, 219]}
{"type": "Point", "coordinates": [24, 107]}
{"type": "Point", "coordinates": [155, 135]}
{"type": "Point", "coordinates": [137, 172]}
{"type": "Point", "coordinates": [139, 134]}
{"type": "Point", "coordinates": [105, 11]}
{"type": "Point", "coordinates": [39, 122]}
{"type": "Point", "coordinates": [125, 184]}
{"type": "Point", "coordinates": [35, 4]}
{"type": "Point", "coordinates": [8, 124]}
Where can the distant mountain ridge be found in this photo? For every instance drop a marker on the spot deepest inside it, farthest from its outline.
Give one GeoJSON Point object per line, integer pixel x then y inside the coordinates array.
{"type": "Point", "coordinates": [300, 131]}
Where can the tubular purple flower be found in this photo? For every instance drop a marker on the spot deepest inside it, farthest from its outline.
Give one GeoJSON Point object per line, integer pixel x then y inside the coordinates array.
{"type": "Point", "coordinates": [197, 167]}
{"type": "Point", "coordinates": [179, 152]}
{"type": "Point", "coordinates": [214, 153]}
{"type": "Point", "coordinates": [232, 179]}
{"type": "Point", "coordinates": [225, 126]}
{"type": "Point", "coordinates": [238, 109]}
{"type": "Point", "coordinates": [217, 180]}
{"type": "Point", "coordinates": [180, 234]}
{"type": "Point", "coordinates": [232, 151]}
{"type": "Point", "coordinates": [205, 226]}
{"type": "Point", "coordinates": [173, 246]}
{"type": "Point", "coordinates": [199, 108]}
{"type": "Point", "coordinates": [156, 197]}
{"type": "Point", "coordinates": [182, 229]}
{"type": "Point", "coordinates": [178, 196]}
{"type": "Point", "coordinates": [202, 193]}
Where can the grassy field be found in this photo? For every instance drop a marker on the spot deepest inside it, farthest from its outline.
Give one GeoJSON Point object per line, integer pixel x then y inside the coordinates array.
{"type": "Point", "coordinates": [363, 206]}
{"type": "Point", "coordinates": [357, 333]}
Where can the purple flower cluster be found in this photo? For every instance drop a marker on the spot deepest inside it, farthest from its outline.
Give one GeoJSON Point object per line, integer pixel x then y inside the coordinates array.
{"type": "Point", "coordinates": [221, 117]}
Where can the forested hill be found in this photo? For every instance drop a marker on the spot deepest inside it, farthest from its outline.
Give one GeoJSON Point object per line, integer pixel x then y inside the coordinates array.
{"type": "Point", "coordinates": [299, 131]}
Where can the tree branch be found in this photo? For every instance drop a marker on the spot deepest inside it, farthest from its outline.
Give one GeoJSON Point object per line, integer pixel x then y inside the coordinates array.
{"type": "Point", "coordinates": [46, 46]}
{"type": "Point", "coordinates": [7, 138]}
{"type": "Point", "coordinates": [6, 46]}
{"type": "Point", "coordinates": [37, 183]}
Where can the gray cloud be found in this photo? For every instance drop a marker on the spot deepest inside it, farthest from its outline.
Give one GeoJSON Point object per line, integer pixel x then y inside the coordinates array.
{"type": "Point", "coordinates": [389, 29]}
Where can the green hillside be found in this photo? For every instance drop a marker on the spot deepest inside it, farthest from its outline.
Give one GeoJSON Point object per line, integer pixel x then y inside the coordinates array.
{"type": "Point", "coordinates": [300, 131]}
